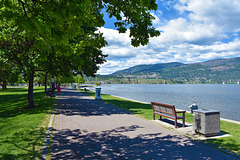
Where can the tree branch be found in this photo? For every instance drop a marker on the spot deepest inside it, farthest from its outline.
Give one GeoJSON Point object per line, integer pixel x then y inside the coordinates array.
{"type": "Point", "coordinates": [23, 5]}
{"type": "Point", "coordinates": [43, 70]}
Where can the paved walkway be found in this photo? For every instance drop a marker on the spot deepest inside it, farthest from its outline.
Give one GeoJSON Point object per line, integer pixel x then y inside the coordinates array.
{"type": "Point", "coordinates": [86, 128]}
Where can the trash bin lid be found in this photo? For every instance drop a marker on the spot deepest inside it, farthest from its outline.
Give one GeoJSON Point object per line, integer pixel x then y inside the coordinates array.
{"type": "Point", "coordinates": [206, 111]}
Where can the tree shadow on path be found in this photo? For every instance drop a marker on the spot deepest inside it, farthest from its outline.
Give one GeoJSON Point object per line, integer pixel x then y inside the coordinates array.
{"type": "Point", "coordinates": [112, 144]}
{"type": "Point", "coordinates": [72, 103]}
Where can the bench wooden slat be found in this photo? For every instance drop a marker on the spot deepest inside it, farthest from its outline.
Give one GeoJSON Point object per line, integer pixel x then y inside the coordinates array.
{"type": "Point", "coordinates": [165, 114]}
{"type": "Point", "coordinates": [168, 111]}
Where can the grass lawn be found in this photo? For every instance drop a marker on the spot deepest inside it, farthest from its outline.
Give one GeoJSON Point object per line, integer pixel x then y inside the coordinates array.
{"type": "Point", "coordinates": [145, 110]}
{"type": "Point", "coordinates": [22, 131]}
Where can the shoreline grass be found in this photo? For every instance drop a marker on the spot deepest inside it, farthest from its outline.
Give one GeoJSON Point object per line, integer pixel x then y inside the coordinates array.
{"type": "Point", "coordinates": [22, 131]}
{"type": "Point", "coordinates": [145, 111]}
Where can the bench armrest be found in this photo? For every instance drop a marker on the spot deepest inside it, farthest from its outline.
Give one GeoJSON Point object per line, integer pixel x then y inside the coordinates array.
{"type": "Point", "coordinates": [183, 112]}
{"type": "Point", "coordinates": [180, 111]}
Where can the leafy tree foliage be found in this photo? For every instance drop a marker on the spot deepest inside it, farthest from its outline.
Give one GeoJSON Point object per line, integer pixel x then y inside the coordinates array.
{"type": "Point", "coordinates": [61, 36]}
{"type": "Point", "coordinates": [79, 79]}
{"type": "Point", "coordinates": [9, 73]}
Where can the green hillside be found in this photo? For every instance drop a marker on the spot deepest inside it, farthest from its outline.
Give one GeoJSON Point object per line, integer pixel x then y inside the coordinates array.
{"type": "Point", "coordinates": [213, 71]}
{"type": "Point", "coordinates": [141, 69]}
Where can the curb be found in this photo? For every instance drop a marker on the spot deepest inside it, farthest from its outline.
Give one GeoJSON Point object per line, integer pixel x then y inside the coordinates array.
{"type": "Point", "coordinates": [46, 142]}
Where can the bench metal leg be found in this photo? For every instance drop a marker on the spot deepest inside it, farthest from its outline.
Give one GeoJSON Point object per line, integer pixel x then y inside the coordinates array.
{"type": "Point", "coordinates": [175, 123]}
{"type": "Point", "coordinates": [183, 122]}
{"type": "Point", "coordinates": [153, 116]}
{"type": "Point", "coordinates": [160, 117]}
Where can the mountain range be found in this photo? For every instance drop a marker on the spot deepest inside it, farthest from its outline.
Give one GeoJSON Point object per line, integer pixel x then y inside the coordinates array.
{"type": "Point", "coordinates": [217, 71]}
{"type": "Point", "coordinates": [212, 71]}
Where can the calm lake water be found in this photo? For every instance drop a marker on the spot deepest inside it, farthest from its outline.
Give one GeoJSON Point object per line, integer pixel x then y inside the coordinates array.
{"type": "Point", "coordinates": [225, 98]}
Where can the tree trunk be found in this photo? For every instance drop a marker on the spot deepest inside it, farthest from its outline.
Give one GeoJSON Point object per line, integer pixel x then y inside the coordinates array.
{"type": "Point", "coordinates": [30, 89]}
{"type": "Point", "coordinates": [46, 82]}
{"type": "Point", "coordinates": [4, 85]}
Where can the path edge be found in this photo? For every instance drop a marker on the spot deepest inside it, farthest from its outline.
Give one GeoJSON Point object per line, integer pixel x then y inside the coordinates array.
{"type": "Point", "coordinates": [46, 143]}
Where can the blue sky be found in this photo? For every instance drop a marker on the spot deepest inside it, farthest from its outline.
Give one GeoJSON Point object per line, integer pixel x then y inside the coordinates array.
{"type": "Point", "coordinates": [192, 31]}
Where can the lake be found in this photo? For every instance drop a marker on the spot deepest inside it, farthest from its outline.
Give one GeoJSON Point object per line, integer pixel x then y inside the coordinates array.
{"type": "Point", "coordinates": [225, 98]}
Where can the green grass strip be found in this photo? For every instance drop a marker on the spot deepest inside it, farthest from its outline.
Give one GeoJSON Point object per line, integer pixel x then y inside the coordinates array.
{"type": "Point", "coordinates": [145, 110]}
{"type": "Point", "coordinates": [22, 131]}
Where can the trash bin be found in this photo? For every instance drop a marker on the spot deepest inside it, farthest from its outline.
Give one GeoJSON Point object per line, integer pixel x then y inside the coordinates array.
{"type": "Point", "coordinates": [98, 93]}
{"type": "Point", "coordinates": [206, 122]}
{"type": "Point", "coordinates": [75, 87]}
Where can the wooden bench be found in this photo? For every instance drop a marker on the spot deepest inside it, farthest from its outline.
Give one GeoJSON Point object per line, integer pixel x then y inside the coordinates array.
{"type": "Point", "coordinates": [166, 110]}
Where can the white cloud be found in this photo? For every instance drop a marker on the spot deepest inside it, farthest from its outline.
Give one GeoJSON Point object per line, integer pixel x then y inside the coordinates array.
{"type": "Point", "coordinates": [222, 13]}
{"type": "Point", "coordinates": [217, 47]}
{"type": "Point", "coordinates": [118, 52]}
{"type": "Point", "coordinates": [180, 31]}
{"type": "Point", "coordinates": [113, 37]}
{"type": "Point", "coordinates": [156, 20]}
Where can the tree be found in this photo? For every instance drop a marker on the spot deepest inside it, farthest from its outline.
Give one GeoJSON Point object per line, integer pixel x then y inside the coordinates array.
{"type": "Point", "coordinates": [135, 15]}
{"type": "Point", "coordinates": [68, 79]}
{"type": "Point", "coordinates": [39, 78]}
{"type": "Point", "coordinates": [52, 35]}
{"type": "Point", "coordinates": [4, 72]}
{"type": "Point", "coordinates": [8, 72]}
{"type": "Point", "coordinates": [79, 79]}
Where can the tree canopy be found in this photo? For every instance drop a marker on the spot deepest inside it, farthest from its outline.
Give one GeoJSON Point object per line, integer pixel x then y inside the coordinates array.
{"type": "Point", "coordinates": [59, 36]}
